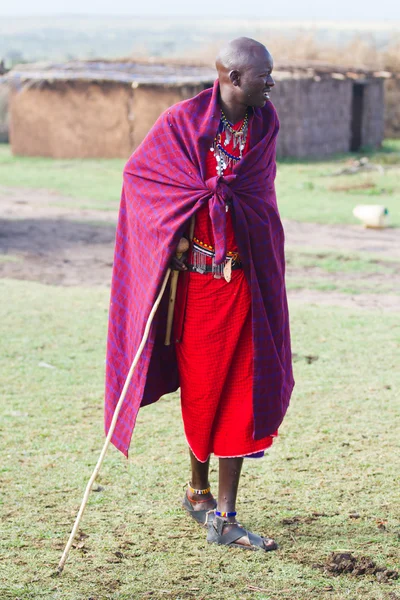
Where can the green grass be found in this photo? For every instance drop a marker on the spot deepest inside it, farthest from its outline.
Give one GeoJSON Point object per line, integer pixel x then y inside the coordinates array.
{"type": "Point", "coordinates": [336, 455]}
{"type": "Point", "coordinates": [338, 262]}
{"type": "Point", "coordinates": [5, 258]}
{"type": "Point", "coordinates": [347, 273]}
{"type": "Point", "coordinates": [92, 183]}
{"type": "Point", "coordinates": [352, 288]}
{"type": "Point", "coordinates": [307, 190]}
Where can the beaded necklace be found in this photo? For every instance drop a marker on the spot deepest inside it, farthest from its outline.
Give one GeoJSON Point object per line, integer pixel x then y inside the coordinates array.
{"type": "Point", "coordinates": [222, 156]}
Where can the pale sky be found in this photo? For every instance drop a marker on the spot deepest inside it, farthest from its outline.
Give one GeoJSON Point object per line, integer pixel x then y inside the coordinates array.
{"type": "Point", "coordinates": [362, 10]}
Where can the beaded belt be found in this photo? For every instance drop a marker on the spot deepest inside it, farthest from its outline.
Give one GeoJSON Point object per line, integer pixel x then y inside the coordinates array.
{"type": "Point", "coordinates": [210, 268]}
{"type": "Point", "coordinates": [201, 252]}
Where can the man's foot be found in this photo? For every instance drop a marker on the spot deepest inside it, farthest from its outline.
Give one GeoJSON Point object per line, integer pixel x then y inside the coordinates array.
{"type": "Point", "coordinates": [230, 533]}
{"type": "Point", "coordinates": [199, 505]}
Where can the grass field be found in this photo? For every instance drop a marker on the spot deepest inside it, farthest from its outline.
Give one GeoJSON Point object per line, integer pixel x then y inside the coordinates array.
{"type": "Point", "coordinates": [329, 483]}
{"type": "Point", "coordinates": [347, 273]}
{"type": "Point", "coordinates": [307, 190]}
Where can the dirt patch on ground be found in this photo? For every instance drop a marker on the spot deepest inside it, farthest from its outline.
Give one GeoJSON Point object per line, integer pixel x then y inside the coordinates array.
{"type": "Point", "coordinates": [56, 251]}
{"type": "Point", "coordinates": [16, 203]}
{"type": "Point", "coordinates": [43, 239]}
{"type": "Point", "coordinates": [344, 562]}
{"type": "Point", "coordinates": [344, 238]}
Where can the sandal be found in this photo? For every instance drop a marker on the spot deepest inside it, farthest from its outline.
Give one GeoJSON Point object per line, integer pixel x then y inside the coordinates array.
{"type": "Point", "coordinates": [216, 535]}
{"type": "Point", "coordinates": [202, 517]}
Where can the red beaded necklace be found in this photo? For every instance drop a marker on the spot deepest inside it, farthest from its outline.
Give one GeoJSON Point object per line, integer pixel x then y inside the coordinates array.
{"type": "Point", "coordinates": [224, 158]}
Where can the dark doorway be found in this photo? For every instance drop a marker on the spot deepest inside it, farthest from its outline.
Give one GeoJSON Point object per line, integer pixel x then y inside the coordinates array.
{"type": "Point", "coordinates": [356, 116]}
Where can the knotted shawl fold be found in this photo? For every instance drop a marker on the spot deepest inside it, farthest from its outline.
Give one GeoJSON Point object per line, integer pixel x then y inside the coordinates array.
{"type": "Point", "coordinates": [164, 184]}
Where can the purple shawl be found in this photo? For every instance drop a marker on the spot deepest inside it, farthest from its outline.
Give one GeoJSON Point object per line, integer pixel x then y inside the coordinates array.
{"type": "Point", "coordinates": [164, 185]}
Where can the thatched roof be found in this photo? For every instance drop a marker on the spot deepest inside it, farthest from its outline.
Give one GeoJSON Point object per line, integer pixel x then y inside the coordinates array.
{"type": "Point", "coordinates": [164, 74]}
{"type": "Point", "coordinates": [127, 72]}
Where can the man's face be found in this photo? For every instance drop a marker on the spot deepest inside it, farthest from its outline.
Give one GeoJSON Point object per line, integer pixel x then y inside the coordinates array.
{"type": "Point", "coordinates": [255, 81]}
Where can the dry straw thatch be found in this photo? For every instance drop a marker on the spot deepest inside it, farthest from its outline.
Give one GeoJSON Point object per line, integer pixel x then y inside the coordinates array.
{"type": "Point", "coordinates": [169, 73]}
{"type": "Point", "coordinates": [122, 71]}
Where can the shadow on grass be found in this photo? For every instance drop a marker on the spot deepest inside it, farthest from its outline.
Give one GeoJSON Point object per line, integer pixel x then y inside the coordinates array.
{"type": "Point", "coordinates": [42, 236]}
{"type": "Point", "coordinates": [57, 251]}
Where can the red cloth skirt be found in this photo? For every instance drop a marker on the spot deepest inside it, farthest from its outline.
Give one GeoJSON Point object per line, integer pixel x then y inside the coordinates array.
{"type": "Point", "coordinates": [215, 361]}
{"type": "Point", "coordinates": [215, 350]}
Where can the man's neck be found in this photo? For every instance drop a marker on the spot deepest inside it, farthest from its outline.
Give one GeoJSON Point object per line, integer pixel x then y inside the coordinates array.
{"type": "Point", "coordinates": [234, 112]}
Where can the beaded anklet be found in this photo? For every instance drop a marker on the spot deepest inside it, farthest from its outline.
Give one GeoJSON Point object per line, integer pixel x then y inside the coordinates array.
{"type": "Point", "coordinates": [227, 515]}
{"type": "Point", "coordinates": [199, 492]}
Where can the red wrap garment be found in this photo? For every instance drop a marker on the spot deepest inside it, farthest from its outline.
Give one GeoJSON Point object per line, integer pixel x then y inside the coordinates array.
{"type": "Point", "coordinates": [215, 350]}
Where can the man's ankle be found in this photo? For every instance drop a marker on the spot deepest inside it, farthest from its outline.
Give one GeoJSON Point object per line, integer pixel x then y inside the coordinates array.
{"type": "Point", "coordinates": [199, 491]}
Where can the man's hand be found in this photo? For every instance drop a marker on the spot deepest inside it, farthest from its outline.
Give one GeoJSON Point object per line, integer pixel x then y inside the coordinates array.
{"type": "Point", "coordinates": [178, 264]}
{"type": "Point", "coordinates": [178, 261]}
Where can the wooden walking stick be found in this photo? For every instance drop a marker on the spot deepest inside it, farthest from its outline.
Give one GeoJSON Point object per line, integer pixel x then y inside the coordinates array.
{"type": "Point", "coordinates": [113, 424]}
{"type": "Point", "coordinates": [183, 246]}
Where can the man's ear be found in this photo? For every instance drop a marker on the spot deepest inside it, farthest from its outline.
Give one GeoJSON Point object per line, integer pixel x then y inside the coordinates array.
{"type": "Point", "coordinates": [234, 76]}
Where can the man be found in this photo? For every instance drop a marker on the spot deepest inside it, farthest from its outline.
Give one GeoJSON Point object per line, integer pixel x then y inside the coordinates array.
{"type": "Point", "coordinates": [206, 170]}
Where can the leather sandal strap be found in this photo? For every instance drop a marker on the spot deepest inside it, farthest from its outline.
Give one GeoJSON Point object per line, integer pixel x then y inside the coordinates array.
{"type": "Point", "coordinates": [201, 516]}
{"type": "Point", "coordinates": [257, 541]}
{"type": "Point", "coordinates": [235, 532]}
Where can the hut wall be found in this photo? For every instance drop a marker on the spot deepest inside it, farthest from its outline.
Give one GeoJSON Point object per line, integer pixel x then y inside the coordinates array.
{"type": "Point", "coordinates": [392, 108]}
{"type": "Point", "coordinates": [372, 132]}
{"type": "Point", "coordinates": [286, 97]}
{"type": "Point", "coordinates": [106, 119]}
{"type": "Point", "coordinates": [72, 120]}
{"type": "Point", "coordinates": [4, 93]}
{"type": "Point", "coordinates": [150, 101]}
{"type": "Point", "coordinates": [315, 116]}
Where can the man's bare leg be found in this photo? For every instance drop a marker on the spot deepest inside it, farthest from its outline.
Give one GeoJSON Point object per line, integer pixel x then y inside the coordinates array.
{"type": "Point", "coordinates": [229, 476]}
{"type": "Point", "coordinates": [200, 481]}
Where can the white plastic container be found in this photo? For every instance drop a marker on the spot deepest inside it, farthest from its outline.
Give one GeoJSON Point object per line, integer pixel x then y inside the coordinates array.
{"type": "Point", "coordinates": [372, 215]}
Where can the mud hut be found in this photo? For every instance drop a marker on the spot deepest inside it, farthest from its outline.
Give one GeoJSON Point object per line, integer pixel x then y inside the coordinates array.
{"type": "Point", "coordinates": [4, 126]}
{"type": "Point", "coordinates": [93, 109]}
{"type": "Point", "coordinates": [392, 106]}
{"type": "Point", "coordinates": [104, 109]}
{"type": "Point", "coordinates": [324, 110]}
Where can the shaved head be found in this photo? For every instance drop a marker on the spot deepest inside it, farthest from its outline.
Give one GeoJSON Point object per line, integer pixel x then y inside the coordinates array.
{"type": "Point", "coordinates": [239, 54]}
